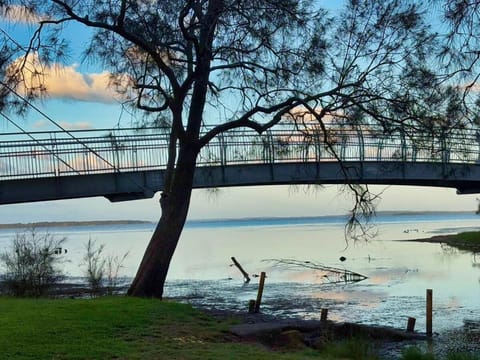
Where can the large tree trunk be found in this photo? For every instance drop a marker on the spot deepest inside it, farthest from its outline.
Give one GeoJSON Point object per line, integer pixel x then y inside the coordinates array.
{"type": "Point", "coordinates": [153, 269]}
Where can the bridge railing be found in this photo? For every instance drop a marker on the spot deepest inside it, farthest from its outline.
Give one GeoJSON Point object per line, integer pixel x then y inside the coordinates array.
{"type": "Point", "coordinates": [47, 154]}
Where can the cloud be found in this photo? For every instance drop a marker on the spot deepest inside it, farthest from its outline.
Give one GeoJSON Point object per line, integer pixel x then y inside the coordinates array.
{"type": "Point", "coordinates": [472, 87]}
{"type": "Point", "coordinates": [79, 125]}
{"type": "Point", "coordinates": [20, 14]}
{"type": "Point", "coordinates": [65, 81]}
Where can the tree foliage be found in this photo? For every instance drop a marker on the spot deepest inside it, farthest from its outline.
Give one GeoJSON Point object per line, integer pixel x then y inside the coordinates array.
{"type": "Point", "coordinates": [460, 51]}
{"type": "Point", "coordinates": [254, 62]}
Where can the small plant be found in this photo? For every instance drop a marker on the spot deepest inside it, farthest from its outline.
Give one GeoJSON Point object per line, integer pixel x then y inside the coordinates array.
{"type": "Point", "coordinates": [32, 264]}
{"type": "Point", "coordinates": [95, 266]}
{"type": "Point", "coordinates": [113, 265]}
{"type": "Point", "coordinates": [101, 270]}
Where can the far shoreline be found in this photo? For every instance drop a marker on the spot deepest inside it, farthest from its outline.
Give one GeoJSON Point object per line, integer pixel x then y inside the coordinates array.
{"type": "Point", "coordinates": [51, 224]}
{"type": "Point", "coordinates": [236, 221]}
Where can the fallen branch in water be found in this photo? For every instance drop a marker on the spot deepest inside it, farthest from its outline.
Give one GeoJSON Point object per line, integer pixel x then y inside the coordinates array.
{"type": "Point", "coordinates": [244, 273]}
{"type": "Point", "coordinates": [332, 275]}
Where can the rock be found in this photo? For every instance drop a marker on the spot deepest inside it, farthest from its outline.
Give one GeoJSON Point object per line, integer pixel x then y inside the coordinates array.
{"type": "Point", "coordinates": [320, 342]}
{"type": "Point", "coordinates": [257, 329]}
{"type": "Point", "coordinates": [290, 339]}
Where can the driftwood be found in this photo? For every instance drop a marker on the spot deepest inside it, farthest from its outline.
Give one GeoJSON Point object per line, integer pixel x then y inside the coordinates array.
{"type": "Point", "coordinates": [331, 275]}
{"type": "Point", "coordinates": [244, 273]}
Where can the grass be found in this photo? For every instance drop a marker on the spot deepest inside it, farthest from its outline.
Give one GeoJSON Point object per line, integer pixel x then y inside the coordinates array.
{"type": "Point", "coordinates": [467, 241]}
{"type": "Point", "coordinates": [413, 353]}
{"type": "Point", "coordinates": [469, 238]}
{"type": "Point", "coordinates": [129, 328]}
{"type": "Point", "coordinates": [345, 350]}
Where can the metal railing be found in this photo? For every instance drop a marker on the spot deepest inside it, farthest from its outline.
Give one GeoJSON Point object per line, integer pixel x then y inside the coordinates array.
{"type": "Point", "coordinates": [50, 154]}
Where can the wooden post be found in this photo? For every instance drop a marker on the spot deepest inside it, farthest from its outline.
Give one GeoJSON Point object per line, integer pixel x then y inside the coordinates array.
{"type": "Point", "coordinates": [251, 306]}
{"type": "Point", "coordinates": [324, 315]}
{"type": "Point", "coordinates": [244, 273]}
{"type": "Point", "coordinates": [411, 324]}
{"type": "Point", "coordinates": [260, 291]}
{"type": "Point", "coordinates": [429, 312]}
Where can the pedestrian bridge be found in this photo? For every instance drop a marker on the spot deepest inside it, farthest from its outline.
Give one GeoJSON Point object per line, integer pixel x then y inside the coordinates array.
{"type": "Point", "coordinates": [127, 164]}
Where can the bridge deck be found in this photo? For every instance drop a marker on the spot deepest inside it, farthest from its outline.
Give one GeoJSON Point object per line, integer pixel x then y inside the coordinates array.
{"type": "Point", "coordinates": [127, 164]}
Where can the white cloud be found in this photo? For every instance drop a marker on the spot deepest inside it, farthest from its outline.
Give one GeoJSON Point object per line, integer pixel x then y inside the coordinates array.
{"type": "Point", "coordinates": [65, 81]}
{"type": "Point", "coordinates": [79, 125]}
{"type": "Point", "coordinates": [20, 14]}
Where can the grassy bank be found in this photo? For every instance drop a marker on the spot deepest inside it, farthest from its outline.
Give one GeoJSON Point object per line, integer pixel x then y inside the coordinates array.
{"type": "Point", "coordinates": [132, 328]}
{"type": "Point", "coordinates": [469, 241]}
{"type": "Point", "coordinates": [466, 241]}
{"type": "Point", "coordinates": [125, 328]}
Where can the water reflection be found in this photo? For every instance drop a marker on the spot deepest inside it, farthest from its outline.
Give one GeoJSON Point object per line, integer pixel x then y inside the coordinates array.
{"type": "Point", "coordinates": [322, 274]}
{"type": "Point", "coordinates": [398, 272]}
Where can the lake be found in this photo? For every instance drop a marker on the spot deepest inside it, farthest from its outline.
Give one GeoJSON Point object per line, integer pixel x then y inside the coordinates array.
{"type": "Point", "coordinates": [399, 272]}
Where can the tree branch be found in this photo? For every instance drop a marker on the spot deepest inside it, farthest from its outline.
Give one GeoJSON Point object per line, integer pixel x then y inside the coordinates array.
{"type": "Point", "coordinates": [120, 30]}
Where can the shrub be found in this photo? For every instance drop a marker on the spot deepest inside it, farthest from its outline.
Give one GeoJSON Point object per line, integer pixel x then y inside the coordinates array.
{"type": "Point", "coordinates": [113, 266]}
{"type": "Point", "coordinates": [32, 264]}
{"type": "Point", "coordinates": [95, 266]}
{"type": "Point", "coordinates": [101, 270]}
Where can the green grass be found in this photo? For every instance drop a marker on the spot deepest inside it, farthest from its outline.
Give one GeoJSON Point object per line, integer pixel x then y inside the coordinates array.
{"type": "Point", "coordinates": [468, 241]}
{"type": "Point", "coordinates": [357, 349]}
{"type": "Point", "coordinates": [133, 328]}
{"type": "Point", "coordinates": [414, 353]}
{"type": "Point", "coordinates": [125, 328]}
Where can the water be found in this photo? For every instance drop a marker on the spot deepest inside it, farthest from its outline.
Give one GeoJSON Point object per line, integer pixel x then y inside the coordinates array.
{"type": "Point", "coordinates": [399, 272]}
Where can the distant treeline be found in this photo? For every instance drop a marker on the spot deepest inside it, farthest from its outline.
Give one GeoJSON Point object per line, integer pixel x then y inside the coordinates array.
{"type": "Point", "coordinates": [44, 224]}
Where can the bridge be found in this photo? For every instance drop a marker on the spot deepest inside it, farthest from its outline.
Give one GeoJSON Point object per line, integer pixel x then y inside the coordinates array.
{"type": "Point", "coordinates": [127, 164]}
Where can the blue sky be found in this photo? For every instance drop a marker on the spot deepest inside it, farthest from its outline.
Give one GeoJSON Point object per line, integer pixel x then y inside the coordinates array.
{"type": "Point", "coordinates": [78, 101]}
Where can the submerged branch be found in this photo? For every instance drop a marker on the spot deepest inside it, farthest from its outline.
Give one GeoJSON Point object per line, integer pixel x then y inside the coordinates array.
{"type": "Point", "coordinates": [332, 275]}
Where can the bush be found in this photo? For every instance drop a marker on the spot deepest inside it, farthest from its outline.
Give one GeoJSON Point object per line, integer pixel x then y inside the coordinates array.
{"type": "Point", "coordinates": [101, 270]}
{"type": "Point", "coordinates": [31, 264]}
{"type": "Point", "coordinates": [113, 266]}
{"type": "Point", "coordinates": [95, 266]}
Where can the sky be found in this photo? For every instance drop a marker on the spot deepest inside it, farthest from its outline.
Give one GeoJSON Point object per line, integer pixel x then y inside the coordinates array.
{"type": "Point", "coordinates": [79, 98]}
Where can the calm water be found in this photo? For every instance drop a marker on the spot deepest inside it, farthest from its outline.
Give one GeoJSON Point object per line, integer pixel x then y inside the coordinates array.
{"type": "Point", "coordinates": [399, 272]}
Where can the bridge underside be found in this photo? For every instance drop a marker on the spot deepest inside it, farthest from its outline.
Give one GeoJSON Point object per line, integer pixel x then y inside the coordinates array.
{"type": "Point", "coordinates": [144, 184]}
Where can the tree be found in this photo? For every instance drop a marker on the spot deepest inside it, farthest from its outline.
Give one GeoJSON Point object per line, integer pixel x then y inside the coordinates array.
{"type": "Point", "coordinates": [204, 67]}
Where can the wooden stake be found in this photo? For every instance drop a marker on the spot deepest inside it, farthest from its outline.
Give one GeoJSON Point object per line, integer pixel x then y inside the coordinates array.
{"type": "Point", "coordinates": [260, 291]}
{"type": "Point", "coordinates": [251, 306]}
{"type": "Point", "coordinates": [411, 324]}
{"type": "Point", "coordinates": [324, 315]}
{"type": "Point", "coordinates": [244, 273]}
{"type": "Point", "coordinates": [429, 311]}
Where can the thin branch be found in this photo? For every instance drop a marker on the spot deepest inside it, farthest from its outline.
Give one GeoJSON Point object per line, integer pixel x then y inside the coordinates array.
{"type": "Point", "coordinates": [120, 30]}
